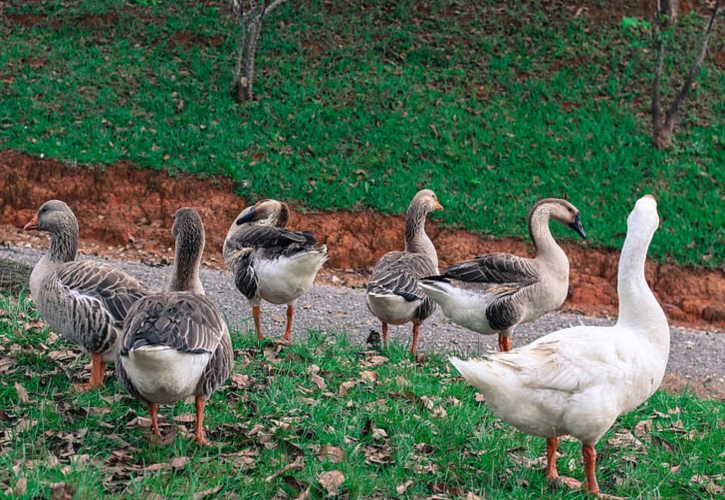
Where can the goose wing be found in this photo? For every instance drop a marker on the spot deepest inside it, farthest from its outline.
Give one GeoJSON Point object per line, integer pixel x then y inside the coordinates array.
{"type": "Point", "coordinates": [500, 268]}
{"type": "Point", "coordinates": [107, 286]}
{"type": "Point", "coordinates": [398, 273]}
{"type": "Point", "coordinates": [274, 240]}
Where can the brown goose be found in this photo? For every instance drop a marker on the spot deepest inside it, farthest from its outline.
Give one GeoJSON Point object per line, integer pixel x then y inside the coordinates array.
{"type": "Point", "coordinates": [86, 302]}
{"type": "Point", "coordinates": [393, 294]}
{"type": "Point", "coordinates": [176, 344]}
{"type": "Point", "coordinates": [493, 293]}
{"type": "Point", "coordinates": [270, 262]}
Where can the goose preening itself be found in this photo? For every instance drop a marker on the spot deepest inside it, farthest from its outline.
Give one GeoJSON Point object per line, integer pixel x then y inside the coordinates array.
{"type": "Point", "coordinates": [270, 262]}
{"type": "Point", "coordinates": [176, 344]}
{"type": "Point", "coordinates": [393, 293]}
{"type": "Point", "coordinates": [577, 381]}
{"type": "Point", "coordinates": [86, 302]}
{"type": "Point", "coordinates": [493, 293]}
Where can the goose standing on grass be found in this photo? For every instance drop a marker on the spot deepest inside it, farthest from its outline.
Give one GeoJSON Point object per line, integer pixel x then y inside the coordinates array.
{"type": "Point", "coordinates": [577, 381]}
{"type": "Point", "coordinates": [86, 302]}
{"type": "Point", "coordinates": [176, 344]}
{"type": "Point", "coordinates": [393, 294]}
{"type": "Point", "coordinates": [496, 292]}
{"type": "Point", "coordinates": [270, 262]}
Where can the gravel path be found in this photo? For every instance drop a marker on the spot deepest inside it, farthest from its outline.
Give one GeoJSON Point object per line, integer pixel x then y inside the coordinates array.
{"type": "Point", "coordinates": [696, 356]}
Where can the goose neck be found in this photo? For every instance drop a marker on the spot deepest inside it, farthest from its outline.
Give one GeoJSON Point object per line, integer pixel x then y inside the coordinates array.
{"type": "Point", "coordinates": [186, 267]}
{"type": "Point", "coordinates": [638, 306]}
{"type": "Point", "coordinates": [64, 243]}
{"type": "Point", "coordinates": [540, 232]}
{"type": "Point", "coordinates": [416, 239]}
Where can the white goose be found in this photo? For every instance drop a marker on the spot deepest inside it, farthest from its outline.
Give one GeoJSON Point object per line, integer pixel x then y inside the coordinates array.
{"type": "Point", "coordinates": [269, 262]}
{"type": "Point", "coordinates": [175, 343]}
{"type": "Point", "coordinates": [86, 302]}
{"type": "Point", "coordinates": [577, 381]}
{"type": "Point", "coordinates": [393, 293]}
{"type": "Point", "coordinates": [494, 293]}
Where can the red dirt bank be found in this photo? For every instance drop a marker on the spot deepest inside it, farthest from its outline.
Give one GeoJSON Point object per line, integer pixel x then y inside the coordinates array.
{"type": "Point", "coordinates": [131, 210]}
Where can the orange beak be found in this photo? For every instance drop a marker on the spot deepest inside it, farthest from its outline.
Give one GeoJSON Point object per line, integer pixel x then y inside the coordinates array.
{"type": "Point", "coordinates": [438, 206]}
{"type": "Point", "coordinates": [32, 225]}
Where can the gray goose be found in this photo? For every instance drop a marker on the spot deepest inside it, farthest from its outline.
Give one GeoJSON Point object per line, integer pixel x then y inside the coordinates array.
{"type": "Point", "coordinates": [393, 294]}
{"type": "Point", "coordinates": [270, 262]}
{"type": "Point", "coordinates": [86, 302]}
{"type": "Point", "coordinates": [494, 293]}
{"type": "Point", "coordinates": [175, 343]}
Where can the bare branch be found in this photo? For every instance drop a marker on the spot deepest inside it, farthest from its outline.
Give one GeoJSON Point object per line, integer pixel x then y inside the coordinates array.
{"type": "Point", "coordinates": [273, 6]}
{"type": "Point", "coordinates": [694, 69]}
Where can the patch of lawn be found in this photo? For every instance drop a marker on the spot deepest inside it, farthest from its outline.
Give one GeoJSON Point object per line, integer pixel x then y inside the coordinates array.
{"type": "Point", "coordinates": [382, 419]}
{"type": "Point", "coordinates": [360, 104]}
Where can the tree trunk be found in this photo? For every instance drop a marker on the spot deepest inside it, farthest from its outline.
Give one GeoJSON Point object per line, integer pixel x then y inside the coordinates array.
{"type": "Point", "coordinates": [670, 8]}
{"type": "Point", "coordinates": [245, 78]}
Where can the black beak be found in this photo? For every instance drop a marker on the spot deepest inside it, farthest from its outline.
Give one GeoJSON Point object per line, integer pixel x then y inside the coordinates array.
{"type": "Point", "coordinates": [577, 226]}
{"type": "Point", "coordinates": [246, 217]}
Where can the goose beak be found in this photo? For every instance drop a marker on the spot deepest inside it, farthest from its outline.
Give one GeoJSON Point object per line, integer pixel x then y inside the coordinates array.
{"type": "Point", "coordinates": [438, 206]}
{"type": "Point", "coordinates": [577, 226]}
{"type": "Point", "coordinates": [32, 225]}
{"type": "Point", "coordinates": [246, 217]}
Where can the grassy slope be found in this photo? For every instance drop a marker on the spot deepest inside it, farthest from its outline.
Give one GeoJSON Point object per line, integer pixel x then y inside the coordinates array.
{"type": "Point", "coordinates": [91, 442]}
{"type": "Point", "coordinates": [361, 106]}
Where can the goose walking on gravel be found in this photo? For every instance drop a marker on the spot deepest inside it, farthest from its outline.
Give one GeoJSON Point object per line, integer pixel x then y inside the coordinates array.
{"type": "Point", "coordinates": [393, 293]}
{"type": "Point", "coordinates": [86, 302]}
{"type": "Point", "coordinates": [496, 292]}
{"type": "Point", "coordinates": [270, 262]}
{"type": "Point", "coordinates": [175, 343]}
{"type": "Point", "coordinates": [577, 381]}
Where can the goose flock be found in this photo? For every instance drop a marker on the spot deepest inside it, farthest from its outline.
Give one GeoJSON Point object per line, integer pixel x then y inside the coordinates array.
{"type": "Point", "coordinates": [170, 345]}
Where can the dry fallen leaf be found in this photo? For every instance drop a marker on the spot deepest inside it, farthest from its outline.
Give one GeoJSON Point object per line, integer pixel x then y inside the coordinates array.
{"type": "Point", "coordinates": [185, 418]}
{"type": "Point", "coordinates": [346, 386]}
{"type": "Point", "coordinates": [368, 376]}
{"type": "Point", "coordinates": [241, 381]}
{"type": "Point", "coordinates": [332, 453]}
{"type": "Point", "coordinates": [708, 483]}
{"type": "Point", "coordinates": [61, 491]}
{"type": "Point", "coordinates": [331, 481]}
{"type": "Point", "coordinates": [21, 486]}
{"type": "Point", "coordinates": [179, 462]}
{"type": "Point", "coordinates": [318, 381]}
{"type": "Point", "coordinates": [402, 487]}
{"type": "Point", "coordinates": [22, 393]}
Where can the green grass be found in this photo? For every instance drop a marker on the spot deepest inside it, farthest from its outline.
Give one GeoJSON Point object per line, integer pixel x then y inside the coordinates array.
{"type": "Point", "coordinates": [359, 106]}
{"type": "Point", "coordinates": [435, 433]}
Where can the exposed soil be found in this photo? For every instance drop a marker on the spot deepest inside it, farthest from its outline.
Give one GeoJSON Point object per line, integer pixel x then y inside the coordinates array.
{"type": "Point", "coordinates": [126, 212]}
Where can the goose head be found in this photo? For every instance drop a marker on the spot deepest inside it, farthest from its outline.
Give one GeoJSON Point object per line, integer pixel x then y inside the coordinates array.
{"type": "Point", "coordinates": [55, 217]}
{"type": "Point", "coordinates": [563, 212]}
{"type": "Point", "coordinates": [643, 219]}
{"type": "Point", "coordinates": [265, 212]}
{"type": "Point", "coordinates": [426, 201]}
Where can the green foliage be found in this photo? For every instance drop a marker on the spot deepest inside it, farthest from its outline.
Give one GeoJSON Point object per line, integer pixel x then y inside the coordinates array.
{"type": "Point", "coordinates": [361, 104]}
{"type": "Point", "coordinates": [386, 419]}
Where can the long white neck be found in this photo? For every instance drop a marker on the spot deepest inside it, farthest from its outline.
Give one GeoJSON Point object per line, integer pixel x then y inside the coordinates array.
{"type": "Point", "coordinates": [638, 307]}
{"type": "Point", "coordinates": [416, 239]}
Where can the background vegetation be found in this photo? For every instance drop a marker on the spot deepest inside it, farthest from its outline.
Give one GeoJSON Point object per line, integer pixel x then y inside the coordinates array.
{"type": "Point", "coordinates": [362, 103]}
{"type": "Point", "coordinates": [390, 425]}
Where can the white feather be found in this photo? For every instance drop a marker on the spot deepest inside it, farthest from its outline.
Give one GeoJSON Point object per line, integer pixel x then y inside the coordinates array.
{"type": "Point", "coordinates": [284, 279]}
